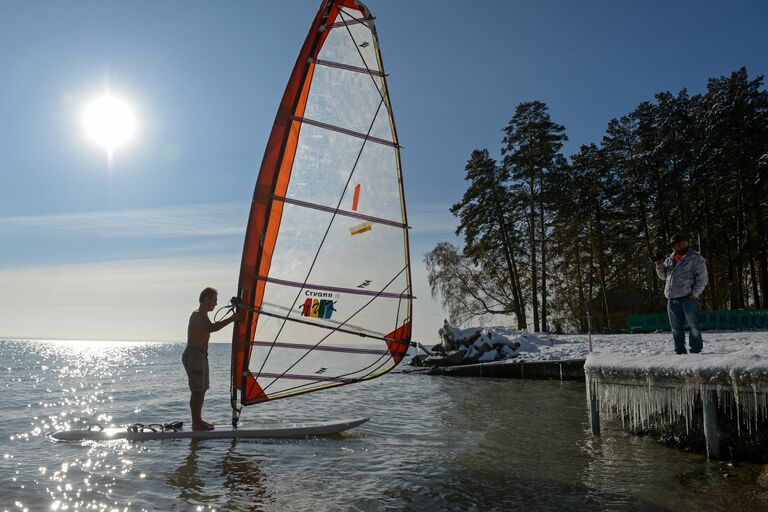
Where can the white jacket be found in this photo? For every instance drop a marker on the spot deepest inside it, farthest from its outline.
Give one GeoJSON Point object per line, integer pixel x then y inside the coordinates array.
{"type": "Point", "coordinates": [688, 276]}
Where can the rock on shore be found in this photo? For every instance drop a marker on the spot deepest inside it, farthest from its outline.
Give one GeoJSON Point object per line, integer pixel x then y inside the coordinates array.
{"type": "Point", "coordinates": [473, 345]}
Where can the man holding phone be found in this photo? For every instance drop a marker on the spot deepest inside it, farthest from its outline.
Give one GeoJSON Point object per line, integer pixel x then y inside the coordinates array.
{"type": "Point", "coordinates": [685, 272]}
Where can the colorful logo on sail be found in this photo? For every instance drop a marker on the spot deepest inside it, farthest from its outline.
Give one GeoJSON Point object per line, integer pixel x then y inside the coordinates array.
{"type": "Point", "coordinates": [317, 308]}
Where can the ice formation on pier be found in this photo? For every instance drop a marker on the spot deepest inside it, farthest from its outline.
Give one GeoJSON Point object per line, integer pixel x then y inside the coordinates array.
{"type": "Point", "coordinates": [639, 379]}
{"type": "Point", "coordinates": [639, 402]}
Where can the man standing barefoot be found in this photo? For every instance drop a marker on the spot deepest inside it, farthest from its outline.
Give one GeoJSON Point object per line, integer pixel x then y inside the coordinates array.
{"type": "Point", "coordinates": [195, 356]}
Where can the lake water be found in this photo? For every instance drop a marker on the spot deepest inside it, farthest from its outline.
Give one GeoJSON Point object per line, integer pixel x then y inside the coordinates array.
{"type": "Point", "coordinates": [433, 443]}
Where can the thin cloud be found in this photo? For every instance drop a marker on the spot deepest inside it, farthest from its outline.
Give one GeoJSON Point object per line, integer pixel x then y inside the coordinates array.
{"type": "Point", "coordinates": [222, 219]}
{"type": "Point", "coordinates": [432, 218]}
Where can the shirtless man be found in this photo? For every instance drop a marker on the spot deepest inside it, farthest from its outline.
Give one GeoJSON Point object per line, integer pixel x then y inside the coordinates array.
{"type": "Point", "coordinates": [195, 356]}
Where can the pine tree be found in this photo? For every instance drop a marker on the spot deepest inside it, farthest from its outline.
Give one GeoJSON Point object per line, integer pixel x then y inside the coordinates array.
{"type": "Point", "coordinates": [483, 218]}
{"type": "Point", "coordinates": [531, 147]}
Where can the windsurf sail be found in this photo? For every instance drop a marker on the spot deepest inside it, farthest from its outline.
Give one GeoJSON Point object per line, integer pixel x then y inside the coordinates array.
{"type": "Point", "coordinates": [325, 274]}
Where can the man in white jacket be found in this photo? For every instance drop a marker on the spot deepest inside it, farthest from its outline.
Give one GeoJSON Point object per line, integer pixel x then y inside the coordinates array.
{"type": "Point", "coordinates": [685, 272]}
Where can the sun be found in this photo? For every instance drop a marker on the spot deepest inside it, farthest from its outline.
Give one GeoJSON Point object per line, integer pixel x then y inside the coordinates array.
{"type": "Point", "coordinates": [109, 122]}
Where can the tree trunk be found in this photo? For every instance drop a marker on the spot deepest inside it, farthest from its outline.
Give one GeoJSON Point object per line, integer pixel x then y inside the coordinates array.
{"type": "Point", "coordinates": [649, 244]}
{"type": "Point", "coordinates": [532, 237]}
{"type": "Point", "coordinates": [590, 274]}
{"type": "Point", "coordinates": [543, 254]}
{"type": "Point", "coordinates": [732, 285]}
{"type": "Point", "coordinates": [753, 284]}
{"type": "Point", "coordinates": [580, 285]}
{"type": "Point", "coordinates": [740, 228]}
{"type": "Point", "coordinates": [601, 264]}
{"type": "Point", "coordinates": [708, 235]}
{"type": "Point", "coordinates": [519, 291]}
{"type": "Point", "coordinates": [762, 258]}
{"type": "Point", "coordinates": [511, 267]}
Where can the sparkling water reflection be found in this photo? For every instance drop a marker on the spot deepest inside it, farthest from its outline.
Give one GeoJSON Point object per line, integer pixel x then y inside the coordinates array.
{"type": "Point", "coordinates": [433, 443]}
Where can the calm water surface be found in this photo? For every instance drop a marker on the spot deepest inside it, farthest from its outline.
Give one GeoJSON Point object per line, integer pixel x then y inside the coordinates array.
{"type": "Point", "coordinates": [433, 443]}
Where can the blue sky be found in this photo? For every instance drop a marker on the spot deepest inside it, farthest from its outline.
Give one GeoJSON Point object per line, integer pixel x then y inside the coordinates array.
{"type": "Point", "coordinates": [89, 251]}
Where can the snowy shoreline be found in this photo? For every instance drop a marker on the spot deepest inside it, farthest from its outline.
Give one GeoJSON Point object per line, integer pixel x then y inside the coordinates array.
{"type": "Point", "coordinates": [738, 352]}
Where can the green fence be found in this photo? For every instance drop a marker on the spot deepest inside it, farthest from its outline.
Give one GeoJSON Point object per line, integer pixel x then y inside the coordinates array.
{"type": "Point", "coordinates": [741, 319]}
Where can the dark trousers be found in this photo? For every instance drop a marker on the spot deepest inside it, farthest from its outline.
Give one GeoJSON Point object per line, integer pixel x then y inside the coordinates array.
{"type": "Point", "coordinates": [682, 310]}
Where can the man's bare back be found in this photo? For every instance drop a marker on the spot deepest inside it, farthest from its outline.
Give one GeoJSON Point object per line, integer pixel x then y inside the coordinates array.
{"type": "Point", "coordinates": [199, 330]}
{"type": "Point", "coordinates": [200, 326]}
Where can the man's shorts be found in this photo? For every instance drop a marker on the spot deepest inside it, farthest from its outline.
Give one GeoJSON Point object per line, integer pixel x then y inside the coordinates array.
{"type": "Point", "coordinates": [196, 363]}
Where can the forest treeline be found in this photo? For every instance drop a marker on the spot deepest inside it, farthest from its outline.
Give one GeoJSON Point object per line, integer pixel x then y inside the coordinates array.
{"type": "Point", "coordinates": [549, 239]}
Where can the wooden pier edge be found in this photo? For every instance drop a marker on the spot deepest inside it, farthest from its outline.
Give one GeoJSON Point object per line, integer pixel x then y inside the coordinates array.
{"type": "Point", "coordinates": [571, 369]}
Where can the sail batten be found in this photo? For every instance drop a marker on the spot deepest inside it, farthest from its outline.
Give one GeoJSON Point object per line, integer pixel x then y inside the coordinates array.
{"type": "Point", "coordinates": [345, 131]}
{"type": "Point", "coordinates": [325, 275]}
{"type": "Point", "coordinates": [353, 21]}
{"type": "Point", "coordinates": [314, 378]}
{"type": "Point", "coordinates": [339, 211]}
{"type": "Point", "coordinates": [326, 348]}
{"type": "Point", "coordinates": [348, 67]}
{"type": "Point", "coordinates": [356, 291]}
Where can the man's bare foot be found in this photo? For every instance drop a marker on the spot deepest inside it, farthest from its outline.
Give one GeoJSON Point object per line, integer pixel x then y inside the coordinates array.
{"type": "Point", "coordinates": [202, 426]}
{"type": "Point", "coordinates": [210, 425]}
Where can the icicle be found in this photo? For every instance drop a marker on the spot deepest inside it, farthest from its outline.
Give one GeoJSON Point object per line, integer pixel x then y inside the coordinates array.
{"type": "Point", "coordinates": [754, 395]}
{"type": "Point", "coordinates": [735, 387]}
{"type": "Point", "coordinates": [638, 404]}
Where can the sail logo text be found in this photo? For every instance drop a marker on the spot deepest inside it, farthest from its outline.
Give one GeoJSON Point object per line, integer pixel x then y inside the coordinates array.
{"type": "Point", "coordinates": [317, 308]}
{"type": "Point", "coordinates": [310, 293]}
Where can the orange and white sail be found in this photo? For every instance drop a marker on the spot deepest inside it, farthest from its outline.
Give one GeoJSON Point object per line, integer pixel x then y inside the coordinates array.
{"type": "Point", "coordinates": [325, 274]}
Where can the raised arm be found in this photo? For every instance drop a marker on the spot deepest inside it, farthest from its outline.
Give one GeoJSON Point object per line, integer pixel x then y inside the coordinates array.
{"type": "Point", "coordinates": [662, 270]}
{"type": "Point", "coordinates": [217, 326]}
{"type": "Point", "coordinates": [209, 326]}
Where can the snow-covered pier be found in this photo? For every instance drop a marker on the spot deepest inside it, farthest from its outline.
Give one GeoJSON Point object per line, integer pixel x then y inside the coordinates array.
{"type": "Point", "coordinates": [638, 379]}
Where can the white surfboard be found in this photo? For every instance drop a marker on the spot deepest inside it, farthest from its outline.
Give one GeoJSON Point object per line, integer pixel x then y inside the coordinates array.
{"type": "Point", "coordinates": [286, 430]}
